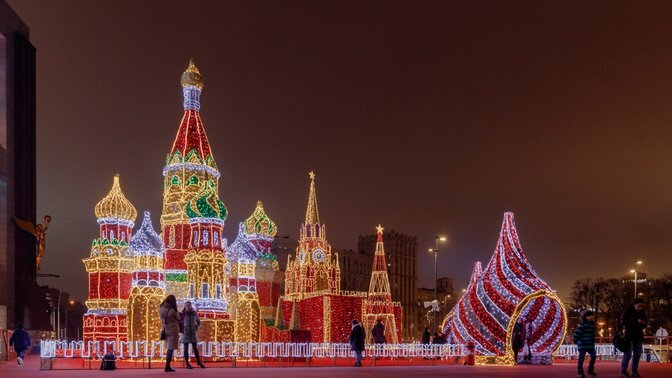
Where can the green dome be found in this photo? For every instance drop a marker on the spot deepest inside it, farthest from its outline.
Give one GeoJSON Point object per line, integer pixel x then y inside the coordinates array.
{"type": "Point", "coordinates": [259, 223]}
{"type": "Point", "coordinates": [206, 204]}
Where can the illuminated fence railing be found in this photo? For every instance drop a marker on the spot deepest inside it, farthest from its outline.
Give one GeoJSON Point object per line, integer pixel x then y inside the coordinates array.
{"type": "Point", "coordinates": [603, 350]}
{"type": "Point", "coordinates": [224, 350]}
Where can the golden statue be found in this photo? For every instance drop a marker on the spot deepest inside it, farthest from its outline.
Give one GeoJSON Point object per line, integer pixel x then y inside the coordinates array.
{"type": "Point", "coordinates": [39, 231]}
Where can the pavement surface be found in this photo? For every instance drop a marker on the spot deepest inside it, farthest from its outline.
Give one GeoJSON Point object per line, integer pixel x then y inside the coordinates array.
{"type": "Point", "coordinates": [565, 370]}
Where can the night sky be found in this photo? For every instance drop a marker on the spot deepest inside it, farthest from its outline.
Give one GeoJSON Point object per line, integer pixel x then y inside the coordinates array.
{"type": "Point", "coordinates": [427, 117]}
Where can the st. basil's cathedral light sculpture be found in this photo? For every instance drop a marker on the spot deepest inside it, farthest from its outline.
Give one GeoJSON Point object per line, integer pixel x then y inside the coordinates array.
{"type": "Point", "coordinates": [110, 268]}
{"type": "Point", "coordinates": [233, 288]}
{"type": "Point", "coordinates": [508, 289]}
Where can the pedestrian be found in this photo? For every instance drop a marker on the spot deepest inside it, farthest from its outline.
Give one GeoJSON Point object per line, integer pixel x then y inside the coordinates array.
{"type": "Point", "coordinates": [425, 336]}
{"type": "Point", "coordinates": [170, 319]}
{"type": "Point", "coordinates": [357, 338]}
{"type": "Point", "coordinates": [378, 332]}
{"type": "Point", "coordinates": [441, 339]}
{"type": "Point", "coordinates": [20, 340]}
{"type": "Point", "coordinates": [584, 338]}
{"type": "Point", "coordinates": [633, 322]}
{"type": "Point", "coordinates": [527, 345]}
{"type": "Point", "coordinates": [517, 339]}
{"type": "Point", "coordinates": [191, 323]}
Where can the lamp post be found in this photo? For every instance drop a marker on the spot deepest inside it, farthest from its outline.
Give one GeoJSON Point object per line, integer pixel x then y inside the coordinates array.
{"type": "Point", "coordinates": [437, 239]}
{"type": "Point", "coordinates": [637, 262]}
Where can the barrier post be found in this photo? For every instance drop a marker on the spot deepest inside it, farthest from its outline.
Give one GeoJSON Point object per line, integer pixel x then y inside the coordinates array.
{"type": "Point", "coordinates": [469, 355]}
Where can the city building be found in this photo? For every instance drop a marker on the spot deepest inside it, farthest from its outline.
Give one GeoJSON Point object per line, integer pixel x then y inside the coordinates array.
{"type": "Point", "coordinates": [17, 174]}
{"type": "Point", "coordinates": [423, 316]}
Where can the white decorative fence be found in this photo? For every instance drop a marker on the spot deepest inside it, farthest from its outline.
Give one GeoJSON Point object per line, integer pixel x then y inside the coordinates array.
{"type": "Point", "coordinates": [602, 350]}
{"type": "Point", "coordinates": [225, 350]}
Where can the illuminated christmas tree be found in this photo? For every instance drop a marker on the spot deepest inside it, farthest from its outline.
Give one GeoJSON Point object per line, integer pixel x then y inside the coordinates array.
{"type": "Point", "coordinates": [110, 268]}
{"type": "Point", "coordinates": [190, 167]}
{"type": "Point", "coordinates": [148, 286]}
{"type": "Point", "coordinates": [506, 290]}
{"type": "Point", "coordinates": [207, 267]}
{"type": "Point", "coordinates": [379, 303]}
{"type": "Point", "coordinates": [314, 270]}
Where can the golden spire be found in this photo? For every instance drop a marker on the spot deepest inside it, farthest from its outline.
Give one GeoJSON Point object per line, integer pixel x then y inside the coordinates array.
{"type": "Point", "coordinates": [192, 76]}
{"type": "Point", "coordinates": [312, 215]}
{"type": "Point", "coordinates": [115, 204]}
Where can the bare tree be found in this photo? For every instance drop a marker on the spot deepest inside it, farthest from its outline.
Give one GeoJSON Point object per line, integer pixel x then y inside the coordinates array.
{"type": "Point", "coordinates": [659, 303]}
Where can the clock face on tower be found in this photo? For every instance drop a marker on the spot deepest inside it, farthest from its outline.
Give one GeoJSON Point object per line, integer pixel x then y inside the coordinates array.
{"type": "Point", "coordinates": [318, 255]}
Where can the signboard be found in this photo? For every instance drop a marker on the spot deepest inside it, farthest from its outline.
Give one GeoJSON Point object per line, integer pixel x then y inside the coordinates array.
{"type": "Point", "coordinates": [661, 333]}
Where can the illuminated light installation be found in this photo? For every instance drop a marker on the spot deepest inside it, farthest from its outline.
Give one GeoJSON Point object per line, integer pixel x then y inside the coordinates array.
{"type": "Point", "coordinates": [189, 168]}
{"type": "Point", "coordinates": [262, 231]}
{"type": "Point", "coordinates": [507, 289]}
{"type": "Point", "coordinates": [110, 268]}
{"type": "Point", "coordinates": [313, 299]}
{"type": "Point", "coordinates": [314, 270]}
{"type": "Point", "coordinates": [255, 236]}
{"type": "Point", "coordinates": [207, 267]}
{"type": "Point", "coordinates": [379, 303]}
{"type": "Point", "coordinates": [149, 286]}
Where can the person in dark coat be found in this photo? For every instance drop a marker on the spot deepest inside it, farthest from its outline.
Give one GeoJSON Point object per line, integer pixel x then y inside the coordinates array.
{"type": "Point", "coordinates": [170, 319]}
{"type": "Point", "coordinates": [584, 338]}
{"type": "Point", "coordinates": [527, 340]}
{"type": "Point", "coordinates": [357, 338]}
{"type": "Point", "coordinates": [378, 332]}
{"type": "Point", "coordinates": [190, 325]}
{"type": "Point", "coordinates": [633, 322]}
{"type": "Point", "coordinates": [20, 340]}
{"type": "Point", "coordinates": [517, 339]}
{"type": "Point", "coordinates": [426, 336]}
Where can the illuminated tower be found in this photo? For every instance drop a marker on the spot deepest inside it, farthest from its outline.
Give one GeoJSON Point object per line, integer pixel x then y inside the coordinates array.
{"type": "Point", "coordinates": [314, 270]}
{"type": "Point", "coordinates": [269, 278]}
{"type": "Point", "coordinates": [110, 268]}
{"type": "Point", "coordinates": [190, 166]}
{"type": "Point", "coordinates": [206, 264]}
{"type": "Point", "coordinates": [379, 300]}
{"type": "Point", "coordinates": [149, 286]}
{"type": "Point", "coordinates": [255, 237]}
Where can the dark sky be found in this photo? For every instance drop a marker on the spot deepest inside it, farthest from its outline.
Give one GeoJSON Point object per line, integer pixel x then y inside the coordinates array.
{"type": "Point", "coordinates": [427, 117]}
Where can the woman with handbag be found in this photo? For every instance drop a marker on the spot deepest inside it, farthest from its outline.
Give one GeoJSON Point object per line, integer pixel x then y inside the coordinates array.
{"type": "Point", "coordinates": [191, 323]}
{"type": "Point", "coordinates": [171, 328]}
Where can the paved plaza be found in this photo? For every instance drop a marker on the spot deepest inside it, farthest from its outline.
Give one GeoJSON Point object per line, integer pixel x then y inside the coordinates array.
{"type": "Point", "coordinates": [605, 369]}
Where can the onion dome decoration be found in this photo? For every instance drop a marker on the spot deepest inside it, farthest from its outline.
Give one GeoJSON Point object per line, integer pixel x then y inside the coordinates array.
{"type": "Point", "coordinates": [115, 204]}
{"type": "Point", "coordinates": [146, 241]}
{"type": "Point", "coordinates": [506, 290]}
{"type": "Point", "coordinates": [259, 223]}
{"type": "Point", "coordinates": [206, 204]}
{"type": "Point", "coordinates": [192, 76]}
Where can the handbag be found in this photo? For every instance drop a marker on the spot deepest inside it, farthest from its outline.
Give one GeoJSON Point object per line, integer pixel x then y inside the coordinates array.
{"type": "Point", "coordinates": [163, 334]}
{"type": "Point", "coordinates": [621, 342]}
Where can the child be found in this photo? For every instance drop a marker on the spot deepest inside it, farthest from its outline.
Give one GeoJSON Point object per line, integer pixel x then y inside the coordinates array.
{"type": "Point", "coordinates": [584, 338]}
{"type": "Point", "coordinates": [21, 341]}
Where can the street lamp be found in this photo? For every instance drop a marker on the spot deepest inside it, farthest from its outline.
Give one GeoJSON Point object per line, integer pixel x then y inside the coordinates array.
{"type": "Point", "coordinates": [437, 239]}
{"type": "Point", "coordinates": [637, 262]}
